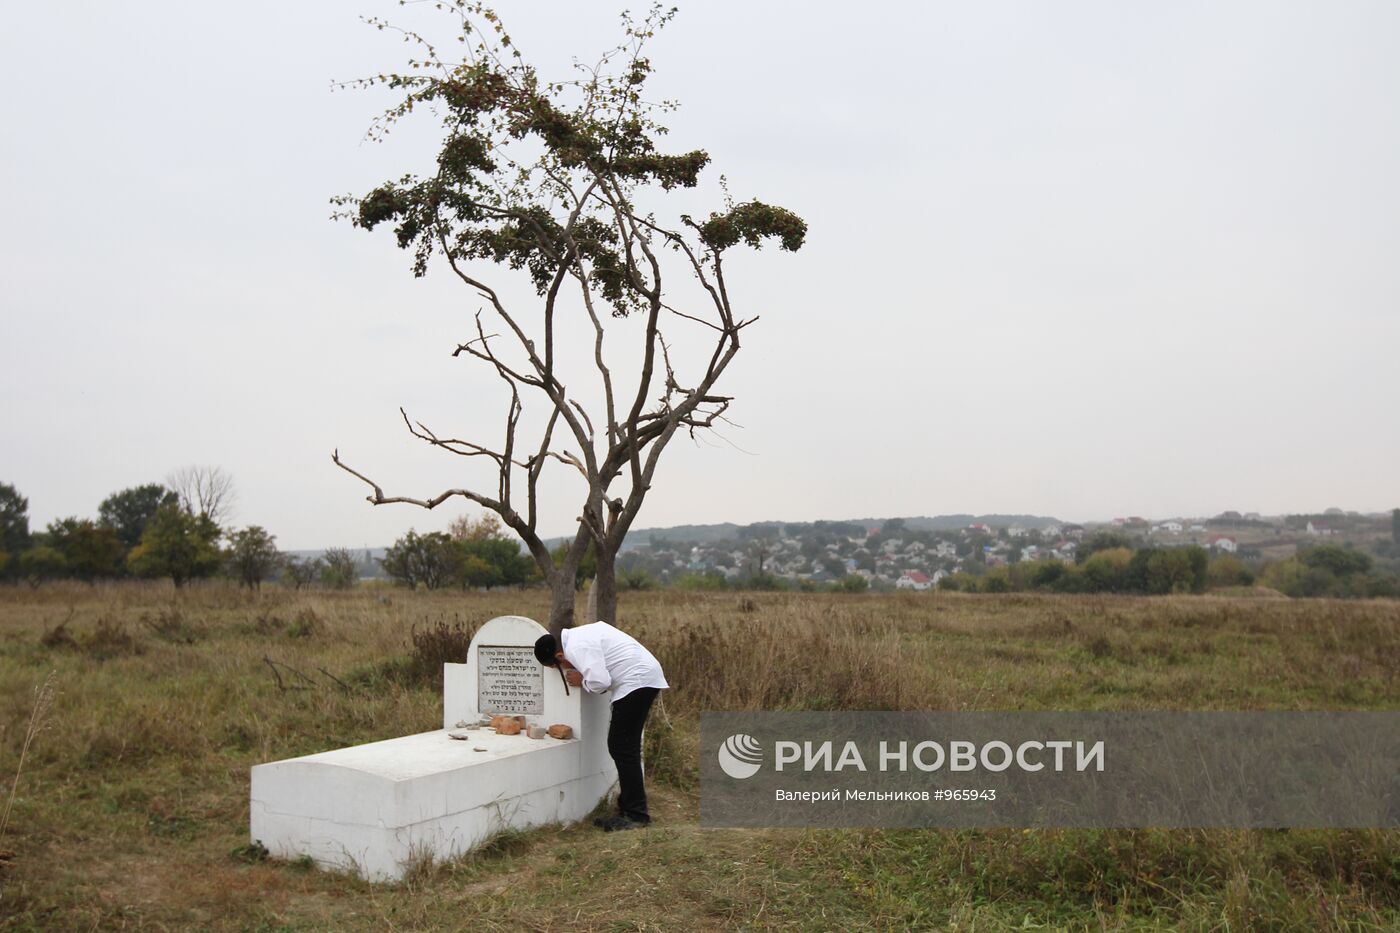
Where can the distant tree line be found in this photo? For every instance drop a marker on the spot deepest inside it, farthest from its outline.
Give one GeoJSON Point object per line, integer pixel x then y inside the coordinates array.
{"type": "Point", "coordinates": [1110, 570]}
{"type": "Point", "coordinates": [471, 554]}
{"type": "Point", "coordinates": [1108, 563]}
{"type": "Point", "coordinates": [761, 582]}
{"type": "Point", "coordinates": [177, 529]}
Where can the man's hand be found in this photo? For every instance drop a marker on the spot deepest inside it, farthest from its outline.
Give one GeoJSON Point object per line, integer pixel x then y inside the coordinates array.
{"type": "Point", "coordinates": [573, 678]}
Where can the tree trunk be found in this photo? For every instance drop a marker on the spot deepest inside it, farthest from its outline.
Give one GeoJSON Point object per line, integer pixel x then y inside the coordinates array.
{"type": "Point", "coordinates": [561, 604]}
{"type": "Point", "coordinates": [562, 577]}
{"type": "Point", "coordinates": [605, 589]}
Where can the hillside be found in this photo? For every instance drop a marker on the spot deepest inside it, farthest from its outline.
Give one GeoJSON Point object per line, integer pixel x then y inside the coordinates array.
{"type": "Point", "coordinates": [728, 531]}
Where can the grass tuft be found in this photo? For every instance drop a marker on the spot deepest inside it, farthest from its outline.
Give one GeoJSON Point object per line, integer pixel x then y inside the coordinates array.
{"type": "Point", "coordinates": [306, 624]}
{"type": "Point", "coordinates": [250, 853]}
{"type": "Point", "coordinates": [170, 625]}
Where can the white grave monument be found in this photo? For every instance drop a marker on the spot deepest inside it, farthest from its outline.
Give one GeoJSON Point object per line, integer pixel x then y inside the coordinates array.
{"type": "Point", "coordinates": [373, 808]}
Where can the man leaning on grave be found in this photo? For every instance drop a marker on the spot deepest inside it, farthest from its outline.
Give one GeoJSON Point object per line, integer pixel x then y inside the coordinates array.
{"type": "Point", "coordinates": [598, 657]}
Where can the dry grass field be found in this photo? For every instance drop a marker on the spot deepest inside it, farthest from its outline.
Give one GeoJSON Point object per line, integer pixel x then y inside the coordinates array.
{"type": "Point", "coordinates": [132, 808]}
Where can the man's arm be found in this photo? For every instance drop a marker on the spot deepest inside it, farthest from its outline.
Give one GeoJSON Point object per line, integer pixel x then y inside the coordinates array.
{"type": "Point", "coordinates": [588, 660]}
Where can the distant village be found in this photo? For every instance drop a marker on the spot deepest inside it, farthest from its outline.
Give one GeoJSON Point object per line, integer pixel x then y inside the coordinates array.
{"type": "Point", "coordinates": [917, 553]}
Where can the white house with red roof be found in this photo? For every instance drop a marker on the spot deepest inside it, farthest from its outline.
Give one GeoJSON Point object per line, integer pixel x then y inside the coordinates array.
{"type": "Point", "coordinates": [1224, 543]}
{"type": "Point", "coordinates": [913, 580]}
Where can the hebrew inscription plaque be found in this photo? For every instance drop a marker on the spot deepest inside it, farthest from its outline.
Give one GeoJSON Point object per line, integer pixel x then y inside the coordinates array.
{"type": "Point", "coordinates": [509, 680]}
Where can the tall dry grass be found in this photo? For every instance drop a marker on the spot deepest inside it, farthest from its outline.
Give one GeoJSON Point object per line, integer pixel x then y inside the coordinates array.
{"type": "Point", "coordinates": [165, 699]}
{"type": "Point", "coordinates": [38, 720]}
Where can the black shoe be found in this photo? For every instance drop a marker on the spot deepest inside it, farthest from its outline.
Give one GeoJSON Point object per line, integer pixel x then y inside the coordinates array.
{"type": "Point", "coordinates": [618, 823]}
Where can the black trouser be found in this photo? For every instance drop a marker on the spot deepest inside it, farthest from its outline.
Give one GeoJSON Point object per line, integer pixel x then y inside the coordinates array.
{"type": "Point", "coordinates": [629, 715]}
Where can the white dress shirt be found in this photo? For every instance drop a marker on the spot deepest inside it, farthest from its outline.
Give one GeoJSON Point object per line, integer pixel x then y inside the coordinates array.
{"type": "Point", "coordinates": [610, 659]}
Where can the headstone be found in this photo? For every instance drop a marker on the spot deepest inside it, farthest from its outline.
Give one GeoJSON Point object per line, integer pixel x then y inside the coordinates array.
{"type": "Point", "coordinates": [375, 808]}
{"type": "Point", "coordinates": [501, 676]}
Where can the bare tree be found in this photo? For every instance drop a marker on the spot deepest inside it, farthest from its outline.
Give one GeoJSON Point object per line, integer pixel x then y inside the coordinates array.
{"type": "Point", "coordinates": [204, 490]}
{"type": "Point", "coordinates": [339, 569]}
{"type": "Point", "coordinates": [301, 571]}
{"type": "Point", "coordinates": [564, 180]}
{"type": "Point", "coordinates": [466, 528]}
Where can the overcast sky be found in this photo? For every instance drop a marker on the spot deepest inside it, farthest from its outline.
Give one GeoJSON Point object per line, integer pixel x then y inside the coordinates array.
{"type": "Point", "coordinates": [1078, 259]}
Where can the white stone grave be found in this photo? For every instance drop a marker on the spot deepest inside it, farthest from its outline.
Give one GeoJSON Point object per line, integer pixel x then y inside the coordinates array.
{"type": "Point", "coordinates": [374, 808]}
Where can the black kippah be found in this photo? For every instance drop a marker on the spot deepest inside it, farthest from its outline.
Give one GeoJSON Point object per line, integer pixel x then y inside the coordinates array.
{"type": "Point", "coordinates": [545, 647]}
